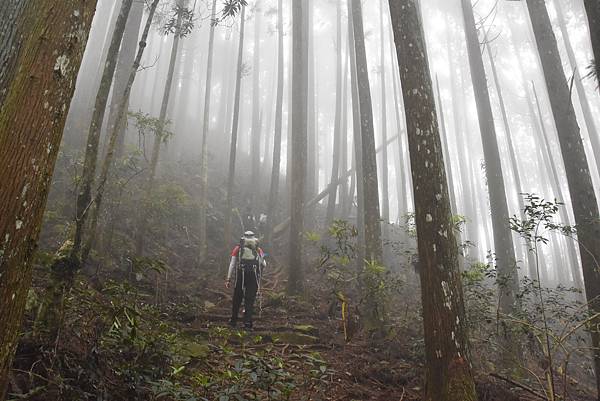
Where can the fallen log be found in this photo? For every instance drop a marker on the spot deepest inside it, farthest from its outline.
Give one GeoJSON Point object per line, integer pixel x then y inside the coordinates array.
{"type": "Point", "coordinates": [281, 227]}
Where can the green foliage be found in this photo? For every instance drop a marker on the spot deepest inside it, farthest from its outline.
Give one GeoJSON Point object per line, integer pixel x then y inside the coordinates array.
{"type": "Point", "coordinates": [232, 7]}
{"type": "Point", "coordinates": [147, 125]}
{"type": "Point", "coordinates": [370, 284]}
{"type": "Point", "coordinates": [180, 23]}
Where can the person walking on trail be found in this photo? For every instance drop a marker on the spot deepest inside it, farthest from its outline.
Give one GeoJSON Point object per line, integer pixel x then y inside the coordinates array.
{"type": "Point", "coordinates": [247, 263]}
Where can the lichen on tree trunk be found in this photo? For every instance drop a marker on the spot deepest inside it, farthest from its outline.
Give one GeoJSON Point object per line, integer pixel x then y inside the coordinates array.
{"type": "Point", "coordinates": [31, 129]}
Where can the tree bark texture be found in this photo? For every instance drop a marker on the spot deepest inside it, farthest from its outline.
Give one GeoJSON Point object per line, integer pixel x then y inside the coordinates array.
{"type": "Point", "coordinates": [31, 129]}
{"type": "Point", "coordinates": [583, 198]}
{"type": "Point", "coordinates": [12, 31]}
{"type": "Point", "coordinates": [449, 376]}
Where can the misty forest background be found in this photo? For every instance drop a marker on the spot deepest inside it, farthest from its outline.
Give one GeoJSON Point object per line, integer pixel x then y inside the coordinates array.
{"type": "Point", "coordinates": [424, 177]}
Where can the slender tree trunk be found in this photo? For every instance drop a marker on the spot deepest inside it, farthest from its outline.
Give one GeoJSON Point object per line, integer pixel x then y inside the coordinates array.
{"type": "Point", "coordinates": [512, 155]}
{"type": "Point", "coordinates": [400, 165]}
{"type": "Point", "coordinates": [31, 128]}
{"type": "Point", "coordinates": [331, 201]}
{"type": "Point", "coordinates": [383, 162]}
{"type": "Point", "coordinates": [275, 172]}
{"type": "Point", "coordinates": [592, 8]}
{"type": "Point", "coordinates": [508, 277]}
{"type": "Point", "coordinates": [445, 147]}
{"type": "Point", "coordinates": [345, 198]}
{"type": "Point", "coordinates": [357, 139]}
{"type": "Point", "coordinates": [588, 116]}
{"type": "Point", "coordinates": [544, 140]}
{"type": "Point", "coordinates": [122, 71]}
{"type": "Point", "coordinates": [373, 246]}
{"type": "Point", "coordinates": [121, 102]}
{"type": "Point", "coordinates": [312, 154]}
{"type": "Point", "coordinates": [299, 144]}
{"type": "Point", "coordinates": [449, 376]}
{"type": "Point", "coordinates": [583, 197]}
{"type": "Point", "coordinates": [234, 134]}
{"type": "Point", "coordinates": [158, 138]}
{"type": "Point", "coordinates": [126, 58]}
{"type": "Point", "coordinates": [84, 197]}
{"type": "Point", "coordinates": [203, 251]}
{"type": "Point", "coordinates": [255, 137]}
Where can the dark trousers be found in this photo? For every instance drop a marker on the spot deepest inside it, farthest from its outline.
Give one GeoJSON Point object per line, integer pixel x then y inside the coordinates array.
{"type": "Point", "coordinates": [246, 286]}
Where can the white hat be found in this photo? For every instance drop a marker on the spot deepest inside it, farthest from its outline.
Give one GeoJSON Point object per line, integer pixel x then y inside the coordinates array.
{"type": "Point", "coordinates": [249, 234]}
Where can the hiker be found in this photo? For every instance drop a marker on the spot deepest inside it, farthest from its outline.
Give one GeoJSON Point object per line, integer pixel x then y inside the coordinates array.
{"type": "Point", "coordinates": [247, 262]}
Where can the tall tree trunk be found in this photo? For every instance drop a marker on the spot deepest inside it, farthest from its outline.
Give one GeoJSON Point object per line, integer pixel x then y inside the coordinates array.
{"type": "Point", "coordinates": [544, 140]}
{"type": "Point", "coordinates": [449, 376]}
{"type": "Point", "coordinates": [273, 206]}
{"type": "Point", "coordinates": [234, 134]}
{"type": "Point", "coordinates": [345, 198]}
{"type": "Point", "coordinates": [126, 58]}
{"type": "Point", "coordinates": [512, 156]}
{"type": "Point", "coordinates": [11, 35]}
{"type": "Point", "coordinates": [122, 71]}
{"type": "Point", "coordinates": [588, 116]}
{"type": "Point", "coordinates": [331, 201]}
{"type": "Point", "coordinates": [121, 102]}
{"type": "Point", "coordinates": [373, 246]}
{"type": "Point", "coordinates": [445, 147]}
{"type": "Point", "coordinates": [401, 172]}
{"type": "Point", "coordinates": [203, 251]}
{"type": "Point", "coordinates": [508, 277]}
{"type": "Point", "coordinates": [357, 135]}
{"type": "Point", "coordinates": [31, 128]}
{"type": "Point", "coordinates": [383, 163]}
{"type": "Point", "coordinates": [84, 197]}
{"type": "Point", "coordinates": [312, 153]}
{"type": "Point", "coordinates": [299, 144]}
{"type": "Point", "coordinates": [255, 137]}
{"type": "Point", "coordinates": [592, 8]}
{"type": "Point", "coordinates": [158, 138]}
{"type": "Point", "coordinates": [583, 197]}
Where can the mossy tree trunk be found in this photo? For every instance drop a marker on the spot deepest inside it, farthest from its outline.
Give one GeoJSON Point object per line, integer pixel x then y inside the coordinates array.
{"type": "Point", "coordinates": [31, 129]}
{"type": "Point", "coordinates": [449, 376]}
